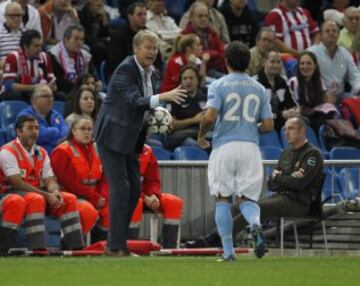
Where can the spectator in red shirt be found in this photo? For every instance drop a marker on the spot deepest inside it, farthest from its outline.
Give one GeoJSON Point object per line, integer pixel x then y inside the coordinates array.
{"type": "Point", "coordinates": [199, 25]}
{"type": "Point", "coordinates": [295, 30]}
{"type": "Point", "coordinates": [188, 49]}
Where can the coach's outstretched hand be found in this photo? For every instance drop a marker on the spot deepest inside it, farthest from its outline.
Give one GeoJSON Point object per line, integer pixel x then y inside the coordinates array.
{"type": "Point", "coordinates": [203, 143]}
{"type": "Point", "coordinates": [177, 95]}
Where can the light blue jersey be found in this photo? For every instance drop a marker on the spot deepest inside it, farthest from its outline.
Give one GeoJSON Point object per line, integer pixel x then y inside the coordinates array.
{"type": "Point", "coordinates": [242, 102]}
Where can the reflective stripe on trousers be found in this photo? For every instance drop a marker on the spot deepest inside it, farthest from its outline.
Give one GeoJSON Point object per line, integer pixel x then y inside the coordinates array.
{"type": "Point", "coordinates": [35, 230]}
{"type": "Point", "coordinates": [71, 227]}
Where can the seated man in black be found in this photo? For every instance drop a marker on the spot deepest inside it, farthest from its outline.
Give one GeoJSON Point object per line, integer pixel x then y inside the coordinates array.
{"type": "Point", "coordinates": [296, 181]}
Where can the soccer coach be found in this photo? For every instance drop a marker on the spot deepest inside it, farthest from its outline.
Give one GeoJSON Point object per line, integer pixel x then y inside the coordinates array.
{"type": "Point", "coordinates": [120, 135]}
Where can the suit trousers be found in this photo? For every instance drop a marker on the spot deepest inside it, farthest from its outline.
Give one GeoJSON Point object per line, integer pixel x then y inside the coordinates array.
{"type": "Point", "coordinates": [122, 172]}
{"type": "Point", "coordinates": [276, 206]}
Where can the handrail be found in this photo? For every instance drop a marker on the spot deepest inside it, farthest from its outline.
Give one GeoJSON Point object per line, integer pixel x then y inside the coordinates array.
{"type": "Point", "coordinates": [187, 163]}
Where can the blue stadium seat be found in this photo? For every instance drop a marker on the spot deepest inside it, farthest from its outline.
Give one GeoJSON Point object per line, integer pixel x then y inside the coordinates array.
{"type": "Point", "coordinates": [322, 144]}
{"type": "Point", "coordinates": [59, 106]}
{"type": "Point", "coordinates": [270, 139]}
{"type": "Point", "coordinates": [270, 152]}
{"type": "Point", "coordinates": [117, 23]}
{"type": "Point", "coordinates": [310, 135]}
{"type": "Point", "coordinates": [331, 188]}
{"type": "Point", "coordinates": [155, 140]}
{"type": "Point", "coordinates": [103, 75]}
{"type": "Point", "coordinates": [349, 182]}
{"type": "Point", "coordinates": [9, 110]}
{"type": "Point", "coordinates": [10, 132]}
{"type": "Point", "coordinates": [52, 234]}
{"type": "Point", "coordinates": [176, 9]}
{"type": "Point", "coordinates": [344, 153]}
{"type": "Point", "coordinates": [161, 154]}
{"type": "Point", "coordinates": [3, 137]}
{"type": "Point", "coordinates": [190, 153]}
{"type": "Point", "coordinates": [321, 138]}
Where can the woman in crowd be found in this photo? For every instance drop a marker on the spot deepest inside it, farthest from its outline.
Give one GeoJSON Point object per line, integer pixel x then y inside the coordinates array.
{"type": "Point", "coordinates": [187, 49]}
{"type": "Point", "coordinates": [77, 167]}
{"type": "Point", "coordinates": [276, 87]}
{"type": "Point", "coordinates": [83, 103]}
{"type": "Point", "coordinates": [85, 81]}
{"type": "Point", "coordinates": [187, 115]}
{"type": "Point", "coordinates": [310, 93]}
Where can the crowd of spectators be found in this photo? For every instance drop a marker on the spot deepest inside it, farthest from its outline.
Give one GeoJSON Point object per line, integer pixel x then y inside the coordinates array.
{"type": "Point", "coordinates": [69, 45]}
{"type": "Point", "coordinates": [58, 50]}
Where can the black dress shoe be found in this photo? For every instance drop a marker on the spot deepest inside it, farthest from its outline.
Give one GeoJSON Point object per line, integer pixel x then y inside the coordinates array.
{"type": "Point", "coordinates": [119, 253]}
{"type": "Point", "coordinates": [211, 240]}
{"type": "Point", "coordinates": [197, 243]}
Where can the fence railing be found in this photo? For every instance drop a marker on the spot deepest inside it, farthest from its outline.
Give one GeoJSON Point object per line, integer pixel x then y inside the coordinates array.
{"type": "Point", "coordinates": [188, 180]}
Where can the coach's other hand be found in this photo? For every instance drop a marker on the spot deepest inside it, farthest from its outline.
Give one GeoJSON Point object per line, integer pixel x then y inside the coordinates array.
{"type": "Point", "coordinates": [177, 95]}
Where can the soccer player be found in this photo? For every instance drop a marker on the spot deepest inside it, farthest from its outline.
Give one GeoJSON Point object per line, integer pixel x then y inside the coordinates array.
{"type": "Point", "coordinates": [239, 107]}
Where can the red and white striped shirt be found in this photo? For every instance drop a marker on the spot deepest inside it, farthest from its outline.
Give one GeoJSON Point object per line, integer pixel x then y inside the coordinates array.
{"type": "Point", "coordinates": [294, 28]}
{"type": "Point", "coordinates": [39, 70]}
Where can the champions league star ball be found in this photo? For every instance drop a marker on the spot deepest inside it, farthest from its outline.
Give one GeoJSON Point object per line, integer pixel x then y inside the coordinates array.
{"type": "Point", "coordinates": [159, 121]}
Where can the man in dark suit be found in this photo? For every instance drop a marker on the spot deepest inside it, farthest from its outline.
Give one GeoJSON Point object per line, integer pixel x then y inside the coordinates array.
{"type": "Point", "coordinates": [120, 135]}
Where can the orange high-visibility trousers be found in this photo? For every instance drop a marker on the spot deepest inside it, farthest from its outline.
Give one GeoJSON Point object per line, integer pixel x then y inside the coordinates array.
{"type": "Point", "coordinates": [88, 215]}
{"type": "Point", "coordinates": [171, 208]}
{"type": "Point", "coordinates": [12, 209]}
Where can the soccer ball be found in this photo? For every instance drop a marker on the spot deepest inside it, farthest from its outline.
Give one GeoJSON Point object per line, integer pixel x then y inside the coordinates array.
{"type": "Point", "coordinates": [159, 121]}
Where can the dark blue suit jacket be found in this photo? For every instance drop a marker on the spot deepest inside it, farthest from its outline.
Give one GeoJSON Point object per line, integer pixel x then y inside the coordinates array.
{"type": "Point", "coordinates": [120, 119]}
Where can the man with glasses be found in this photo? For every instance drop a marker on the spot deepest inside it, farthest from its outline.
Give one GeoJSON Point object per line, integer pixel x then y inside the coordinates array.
{"type": "Point", "coordinates": [26, 68]}
{"type": "Point", "coordinates": [10, 31]}
{"type": "Point", "coordinates": [30, 18]}
{"type": "Point", "coordinates": [53, 128]}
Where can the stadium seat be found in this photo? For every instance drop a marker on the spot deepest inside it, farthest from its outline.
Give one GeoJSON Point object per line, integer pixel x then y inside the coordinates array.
{"type": "Point", "coordinates": [190, 153]}
{"type": "Point", "coordinates": [103, 75]}
{"type": "Point", "coordinates": [52, 234]}
{"type": "Point", "coordinates": [331, 191]}
{"type": "Point", "coordinates": [154, 142]}
{"type": "Point", "coordinates": [344, 153]}
{"type": "Point", "coordinates": [176, 9]}
{"type": "Point", "coordinates": [310, 135]}
{"type": "Point", "coordinates": [270, 152]}
{"type": "Point", "coordinates": [321, 141]}
{"type": "Point", "coordinates": [59, 106]}
{"type": "Point", "coordinates": [349, 182]}
{"type": "Point", "coordinates": [321, 138]}
{"type": "Point", "coordinates": [161, 154]}
{"type": "Point", "coordinates": [117, 23]}
{"type": "Point", "coordinates": [9, 110]}
{"type": "Point", "coordinates": [3, 137]}
{"type": "Point", "coordinates": [270, 139]}
{"type": "Point", "coordinates": [10, 132]}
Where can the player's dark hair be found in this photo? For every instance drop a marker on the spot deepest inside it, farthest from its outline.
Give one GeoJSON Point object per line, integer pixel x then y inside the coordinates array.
{"type": "Point", "coordinates": [237, 56]}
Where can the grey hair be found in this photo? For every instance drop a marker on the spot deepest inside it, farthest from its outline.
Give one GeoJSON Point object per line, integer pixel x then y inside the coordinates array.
{"type": "Point", "coordinates": [194, 6]}
{"type": "Point", "coordinates": [143, 35]}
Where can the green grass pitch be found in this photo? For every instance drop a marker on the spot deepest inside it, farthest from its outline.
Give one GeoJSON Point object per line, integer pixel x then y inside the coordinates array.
{"type": "Point", "coordinates": [158, 271]}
